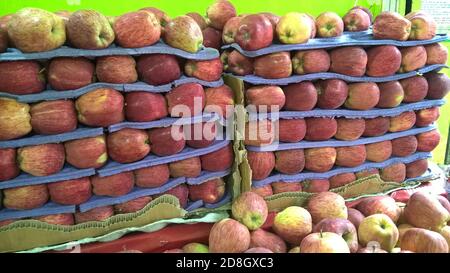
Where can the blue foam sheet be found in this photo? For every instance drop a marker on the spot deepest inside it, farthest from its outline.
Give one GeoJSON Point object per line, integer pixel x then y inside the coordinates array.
{"type": "Point", "coordinates": [47, 209]}
{"type": "Point", "coordinates": [276, 177]}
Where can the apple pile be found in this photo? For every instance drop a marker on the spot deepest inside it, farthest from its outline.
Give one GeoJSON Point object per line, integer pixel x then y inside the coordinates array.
{"type": "Point", "coordinates": [376, 225]}
{"type": "Point", "coordinates": [335, 93]}
{"type": "Point", "coordinates": [37, 30]}
{"type": "Point", "coordinates": [65, 73]}
{"type": "Point", "coordinates": [375, 61]}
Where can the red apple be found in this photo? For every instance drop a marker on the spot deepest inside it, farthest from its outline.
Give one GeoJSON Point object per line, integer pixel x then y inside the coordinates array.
{"type": "Point", "coordinates": [70, 192]}
{"type": "Point", "coordinates": [426, 117]}
{"type": "Point", "coordinates": [357, 20]}
{"type": "Point", "coordinates": [416, 168]}
{"type": "Point", "coordinates": [199, 19]}
{"type": "Point", "coordinates": [391, 94]}
{"type": "Point", "coordinates": [219, 13]}
{"type": "Point", "coordinates": [262, 238]}
{"type": "Point", "coordinates": [420, 240]}
{"type": "Point", "coordinates": [200, 135]}
{"type": "Point", "coordinates": [379, 151]}
{"type": "Point", "coordinates": [355, 217]}
{"type": "Point", "coordinates": [189, 168]}
{"type": "Point", "coordinates": [383, 61]}
{"type": "Point", "coordinates": [87, 152]}
{"type": "Point", "coordinates": [259, 133]}
{"type": "Point", "coordinates": [238, 237]}
{"type": "Point", "coordinates": [21, 77]}
{"type": "Point", "coordinates": [436, 54]}
{"type": "Point", "coordinates": [237, 63]}
{"type": "Point", "coordinates": [167, 141]}
{"type": "Point", "coordinates": [300, 96]}
{"type": "Point", "coordinates": [394, 173]}
{"type": "Point", "coordinates": [413, 58]}
{"type": "Point", "coordinates": [404, 146]}
{"type": "Point", "coordinates": [331, 93]}
{"type": "Point", "coordinates": [186, 100]}
{"type": "Point", "coordinates": [320, 159]}
{"type": "Point", "coordinates": [402, 122]}
{"type": "Point", "coordinates": [254, 32]}
{"type": "Point", "coordinates": [329, 24]}
{"type": "Point", "coordinates": [341, 180]}
{"type": "Point", "coordinates": [97, 214]}
{"type": "Point", "coordinates": [152, 177]}
{"type": "Point", "coordinates": [230, 29]}
{"type": "Point", "coordinates": [342, 227]}
{"type": "Point", "coordinates": [428, 141]}
{"type": "Point", "coordinates": [65, 219]}
{"type": "Point", "coordinates": [145, 106]}
{"type": "Point", "coordinates": [351, 156]}
{"type": "Point", "coordinates": [316, 185]}
{"type": "Point", "coordinates": [415, 88]}
{"type": "Point", "coordinates": [376, 126]}
{"type": "Point", "coordinates": [116, 69]}
{"type": "Point", "coordinates": [391, 25]}
{"type": "Point", "coordinates": [280, 187]}
{"type": "Point", "coordinates": [366, 173]}
{"type": "Point", "coordinates": [261, 164]}
{"type": "Point", "coordinates": [66, 73]}
{"type": "Point", "coordinates": [220, 100]}
{"type": "Point", "coordinates": [41, 160]}
{"type": "Point", "coordinates": [438, 85]}
{"type": "Point", "coordinates": [26, 197]}
{"type": "Point", "coordinates": [212, 38]}
{"type": "Point", "coordinates": [8, 164]}
{"type": "Point", "coordinates": [115, 185]}
{"type": "Point", "coordinates": [349, 129]}
{"type": "Point", "coordinates": [423, 26]}
{"type": "Point", "coordinates": [209, 192]}
{"type": "Point", "coordinates": [263, 191]}
{"type": "Point", "coordinates": [161, 16]}
{"type": "Point", "coordinates": [158, 69]}
{"type": "Point", "coordinates": [3, 40]}
{"type": "Point", "coordinates": [379, 204]}
{"type": "Point", "coordinates": [128, 145]}
{"type": "Point", "coordinates": [324, 242]}
{"type": "Point", "coordinates": [133, 205]}
{"type": "Point", "coordinates": [100, 108]}
{"type": "Point", "coordinates": [274, 19]}
{"type": "Point", "coordinates": [311, 61]}
{"type": "Point", "coordinates": [362, 96]}
{"type": "Point", "coordinates": [137, 29]}
{"type": "Point", "coordinates": [219, 160]}
{"type": "Point", "coordinates": [53, 117]}
{"type": "Point", "coordinates": [210, 70]}
{"type": "Point", "coordinates": [273, 66]}
{"type": "Point", "coordinates": [349, 61]}
{"type": "Point", "coordinates": [181, 192]}
{"type": "Point", "coordinates": [291, 130]}
{"type": "Point", "coordinates": [266, 98]}
{"type": "Point", "coordinates": [327, 205]}
{"type": "Point", "coordinates": [319, 129]}
{"type": "Point", "coordinates": [290, 161]}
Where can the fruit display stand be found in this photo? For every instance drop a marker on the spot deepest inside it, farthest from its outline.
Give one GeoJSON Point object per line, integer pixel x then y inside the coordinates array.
{"type": "Point", "coordinates": [97, 160]}
{"type": "Point", "coordinates": [347, 109]}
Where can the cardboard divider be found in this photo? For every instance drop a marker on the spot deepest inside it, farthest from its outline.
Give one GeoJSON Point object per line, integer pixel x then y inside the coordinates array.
{"type": "Point", "coordinates": [337, 170]}
{"type": "Point", "coordinates": [363, 38]}
{"type": "Point", "coordinates": [256, 80]}
{"type": "Point", "coordinates": [304, 144]}
{"type": "Point", "coordinates": [14, 54]}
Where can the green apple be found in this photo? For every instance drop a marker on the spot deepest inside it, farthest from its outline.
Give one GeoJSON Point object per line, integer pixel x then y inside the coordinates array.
{"type": "Point", "coordinates": [294, 28]}
{"type": "Point", "coordinates": [293, 224]}
{"type": "Point", "coordinates": [378, 228]}
{"type": "Point", "coordinates": [195, 248]}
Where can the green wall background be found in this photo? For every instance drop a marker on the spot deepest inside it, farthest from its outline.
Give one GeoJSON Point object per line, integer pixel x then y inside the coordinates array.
{"type": "Point", "coordinates": [178, 7]}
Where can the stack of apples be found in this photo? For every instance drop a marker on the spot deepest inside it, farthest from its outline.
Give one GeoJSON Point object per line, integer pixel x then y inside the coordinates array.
{"type": "Point", "coordinates": [377, 225]}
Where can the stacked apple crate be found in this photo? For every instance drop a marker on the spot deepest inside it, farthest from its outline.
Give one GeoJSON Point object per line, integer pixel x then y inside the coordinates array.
{"type": "Point", "coordinates": [346, 105]}
{"type": "Point", "coordinates": [87, 130]}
